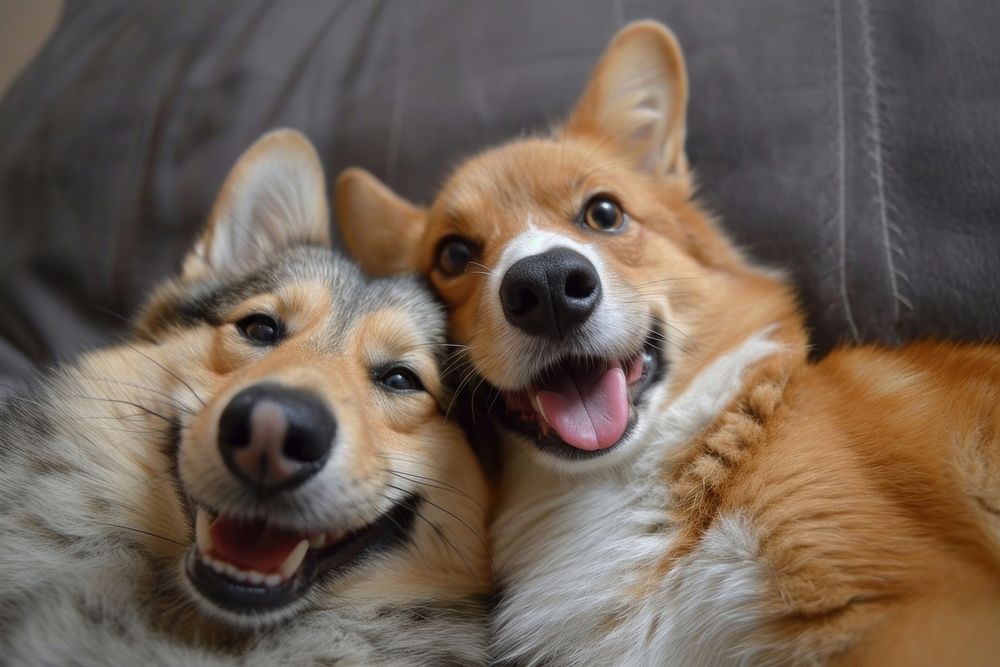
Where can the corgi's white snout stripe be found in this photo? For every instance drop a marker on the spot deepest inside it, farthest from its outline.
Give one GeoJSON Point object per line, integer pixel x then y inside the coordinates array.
{"type": "Point", "coordinates": [612, 330]}
{"type": "Point", "coordinates": [536, 242]}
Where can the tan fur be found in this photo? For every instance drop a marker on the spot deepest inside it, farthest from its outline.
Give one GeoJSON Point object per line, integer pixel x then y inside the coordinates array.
{"type": "Point", "coordinates": [871, 478]}
{"type": "Point", "coordinates": [406, 434]}
{"type": "Point", "coordinates": [127, 438]}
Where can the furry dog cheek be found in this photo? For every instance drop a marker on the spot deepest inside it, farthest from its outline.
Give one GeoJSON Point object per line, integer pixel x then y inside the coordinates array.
{"type": "Point", "coordinates": [257, 455]}
{"type": "Point", "coordinates": [805, 501]}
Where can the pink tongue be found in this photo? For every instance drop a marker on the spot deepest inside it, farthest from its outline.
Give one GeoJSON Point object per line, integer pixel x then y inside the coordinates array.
{"type": "Point", "coordinates": [589, 409]}
{"type": "Point", "coordinates": [252, 545]}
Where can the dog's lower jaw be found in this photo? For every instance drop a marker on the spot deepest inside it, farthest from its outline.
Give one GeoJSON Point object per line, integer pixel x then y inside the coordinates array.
{"type": "Point", "coordinates": [638, 441]}
{"type": "Point", "coordinates": [228, 591]}
{"type": "Point", "coordinates": [577, 551]}
{"type": "Point", "coordinates": [593, 387]}
{"type": "Point", "coordinates": [238, 621]}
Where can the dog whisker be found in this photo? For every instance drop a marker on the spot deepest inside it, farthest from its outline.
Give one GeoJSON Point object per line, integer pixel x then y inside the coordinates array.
{"type": "Point", "coordinates": [143, 532]}
{"type": "Point", "coordinates": [171, 401]}
{"type": "Point", "coordinates": [174, 375]}
{"type": "Point", "coordinates": [449, 544]}
{"type": "Point", "coordinates": [486, 271]}
{"type": "Point", "coordinates": [433, 483]}
{"type": "Point", "coordinates": [462, 521]}
{"type": "Point", "coordinates": [148, 411]}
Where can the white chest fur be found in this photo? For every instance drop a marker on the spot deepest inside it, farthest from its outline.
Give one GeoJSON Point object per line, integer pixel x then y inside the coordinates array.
{"type": "Point", "coordinates": [574, 555]}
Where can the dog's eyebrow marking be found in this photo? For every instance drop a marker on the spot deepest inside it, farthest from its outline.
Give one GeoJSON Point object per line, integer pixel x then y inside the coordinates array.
{"type": "Point", "coordinates": [207, 303]}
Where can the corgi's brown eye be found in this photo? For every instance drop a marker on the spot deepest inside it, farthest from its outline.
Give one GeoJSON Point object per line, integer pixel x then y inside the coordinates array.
{"type": "Point", "coordinates": [399, 378]}
{"type": "Point", "coordinates": [604, 215]}
{"type": "Point", "coordinates": [455, 254]}
{"type": "Point", "coordinates": [261, 329]}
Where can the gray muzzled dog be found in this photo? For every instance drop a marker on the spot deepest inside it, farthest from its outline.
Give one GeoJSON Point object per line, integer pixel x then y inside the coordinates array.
{"type": "Point", "coordinates": [261, 476]}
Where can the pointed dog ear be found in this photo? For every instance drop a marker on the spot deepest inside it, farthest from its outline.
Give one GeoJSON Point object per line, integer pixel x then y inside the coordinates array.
{"type": "Point", "coordinates": [637, 98]}
{"type": "Point", "coordinates": [382, 230]}
{"type": "Point", "coordinates": [274, 197]}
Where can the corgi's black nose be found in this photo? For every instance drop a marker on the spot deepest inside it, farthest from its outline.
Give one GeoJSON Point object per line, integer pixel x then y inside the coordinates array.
{"type": "Point", "coordinates": [550, 294]}
{"type": "Point", "coordinates": [273, 438]}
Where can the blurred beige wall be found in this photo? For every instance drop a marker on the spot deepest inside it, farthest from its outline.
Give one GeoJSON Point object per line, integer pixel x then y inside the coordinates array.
{"type": "Point", "coordinates": [24, 27]}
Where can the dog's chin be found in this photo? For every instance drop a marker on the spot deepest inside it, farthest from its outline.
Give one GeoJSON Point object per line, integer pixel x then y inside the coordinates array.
{"type": "Point", "coordinates": [251, 573]}
{"type": "Point", "coordinates": [525, 415]}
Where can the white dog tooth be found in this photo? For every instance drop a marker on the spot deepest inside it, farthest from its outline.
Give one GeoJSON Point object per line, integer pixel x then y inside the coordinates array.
{"type": "Point", "coordinates": [294, 559]}
{"type": "Point", "coordinates": [537, 404]}
{"type": "Point", "coordinates": [272, 579]}
{"type": "Point", "coordinates": [202, 531]}
{"type": "Point", "coordinates": [255, 577]}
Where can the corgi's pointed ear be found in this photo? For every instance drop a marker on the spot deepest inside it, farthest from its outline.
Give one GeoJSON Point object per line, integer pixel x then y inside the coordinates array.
{"type": "Point", "coordinates": [637, 98]}
{"type": "Point", "coordinates": [274, 197]}
{"type": "Point", "coordinates": [382, 230]}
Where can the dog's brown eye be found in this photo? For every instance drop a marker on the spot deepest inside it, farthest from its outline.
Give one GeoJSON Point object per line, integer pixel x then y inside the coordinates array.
{"type": "Point", "coordinates": [604, 215]}
{"type": "Point", "coordinates": [399, 378]}
{"type": "Point", "coordinates": [454, 255]}
{"type": "Point", "coordinates": [261, 329]}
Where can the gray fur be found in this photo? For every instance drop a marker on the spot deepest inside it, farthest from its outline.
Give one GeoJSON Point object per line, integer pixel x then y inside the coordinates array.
{"type": "Point", "coordinates": [80, 586]}
{"type": "Point", "coordinates": [354, 294]}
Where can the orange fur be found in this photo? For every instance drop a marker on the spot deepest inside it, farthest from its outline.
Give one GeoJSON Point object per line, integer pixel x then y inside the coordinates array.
{"type": "Point", "coordinates": [871, 478]}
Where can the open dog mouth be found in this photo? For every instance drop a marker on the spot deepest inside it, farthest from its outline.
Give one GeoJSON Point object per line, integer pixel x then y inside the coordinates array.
{"type": "Point", "coordinates": [580, 407]}
{"type": "Point", "coordinates": [253, 566]}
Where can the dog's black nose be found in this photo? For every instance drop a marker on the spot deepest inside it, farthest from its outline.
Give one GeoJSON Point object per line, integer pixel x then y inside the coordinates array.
{"type": "Point", "coordinates": [550, 294]}
{"type": "Point", "coordinates": [274, 438]}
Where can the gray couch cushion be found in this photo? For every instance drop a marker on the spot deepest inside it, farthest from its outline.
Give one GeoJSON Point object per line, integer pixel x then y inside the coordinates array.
{"type": "Point", "coordinates": [854, 145]}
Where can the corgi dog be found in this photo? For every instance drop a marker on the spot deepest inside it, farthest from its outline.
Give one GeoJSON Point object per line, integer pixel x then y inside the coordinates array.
{"type": "Point", "coordinates": [261, 475]}
{"type": "Point", "coordinates": [681, 484]}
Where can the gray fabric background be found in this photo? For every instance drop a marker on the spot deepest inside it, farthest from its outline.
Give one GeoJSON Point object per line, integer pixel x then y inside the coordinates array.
{"type": "Point", "coordinates": [853, 143]}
